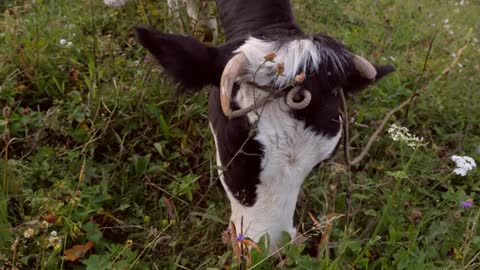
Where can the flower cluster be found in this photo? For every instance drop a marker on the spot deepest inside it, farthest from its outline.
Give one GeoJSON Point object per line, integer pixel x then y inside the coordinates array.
{"type": "Point", "coordinates": [398, 133]}
{"type": "Point", "coordinates": [464, 164]}
{"type": "Point", "coordinates": [64, 42]}
{"type": "Point", "coordinates": [29, 233]}
{"type": "Point", "coordinates": [447, 27]}
{"type": "Point", "coordinates": [114, 3]}
{"type": "Point", "coordinates": [54, 241]}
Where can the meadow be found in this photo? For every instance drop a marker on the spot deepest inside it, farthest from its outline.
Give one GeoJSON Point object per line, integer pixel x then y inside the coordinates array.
{"type": "Point", "coordinates": [104, 166]}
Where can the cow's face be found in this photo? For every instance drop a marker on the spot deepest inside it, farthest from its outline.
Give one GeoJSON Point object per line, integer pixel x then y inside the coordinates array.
{"type": "Point", "coordinates": [274, 62]}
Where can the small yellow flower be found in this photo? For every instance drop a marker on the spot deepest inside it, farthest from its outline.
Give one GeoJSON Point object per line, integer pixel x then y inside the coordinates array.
{"type": "Point", "coordinates": [129, 242]}
{"type": "Point", "coordinates": [57, 247]}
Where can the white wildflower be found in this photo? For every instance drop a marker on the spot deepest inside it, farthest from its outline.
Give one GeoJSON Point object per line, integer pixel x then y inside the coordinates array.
{"type": "Point", "coordinates": [29, 233]}
{"type": "Point", "coordinates": [464, 164]}
{"type": "Point", "coordinates": [44, 224]}
{"type": "Point", "coordinates": [54, 240]}
{"type": "Point", "coordinates": [63, 42]}
{"type": "Point", "coordinates": [69, 44]}
{"type": "Point", "coordinates": [398, 133]}
{"type": "Point", "coordinates": [114, 3]}
{"type": "Point", "coordinates": [445, 21]}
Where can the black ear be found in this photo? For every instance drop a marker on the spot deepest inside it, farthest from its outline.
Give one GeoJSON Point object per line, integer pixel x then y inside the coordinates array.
{"type": "Point", "coordinates": [357, 82]}
{"type": "Point", "coordinates": [189, 61]}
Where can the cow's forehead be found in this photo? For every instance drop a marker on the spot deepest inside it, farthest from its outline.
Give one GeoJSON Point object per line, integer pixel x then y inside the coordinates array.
{"type": "Point", "coordinates": [296, 55]}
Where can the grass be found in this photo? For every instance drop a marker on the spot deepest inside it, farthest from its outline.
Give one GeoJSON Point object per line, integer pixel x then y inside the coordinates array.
{"type": "Point", "coordinates": [100, 149]}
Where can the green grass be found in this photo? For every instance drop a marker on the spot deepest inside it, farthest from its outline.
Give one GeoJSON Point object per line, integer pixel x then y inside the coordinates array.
{"type": "Point", "coordinates": [100, 149]}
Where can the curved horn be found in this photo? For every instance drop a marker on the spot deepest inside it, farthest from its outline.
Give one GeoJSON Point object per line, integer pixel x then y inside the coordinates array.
{"type": "Point", "coordinates": [230, 73]}
{"type": "Point", "coordinates": [307, 97]}
{"type": "Point", "coordinates": [366, 69]}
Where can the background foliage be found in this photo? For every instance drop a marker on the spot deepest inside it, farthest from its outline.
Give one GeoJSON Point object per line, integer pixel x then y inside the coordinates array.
{"type": "Point", "coordinates": [104, 167]}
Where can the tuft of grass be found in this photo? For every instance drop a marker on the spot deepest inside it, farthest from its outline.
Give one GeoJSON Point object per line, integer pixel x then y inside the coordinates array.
{"type": "Point", "coordinates": [101, 149]}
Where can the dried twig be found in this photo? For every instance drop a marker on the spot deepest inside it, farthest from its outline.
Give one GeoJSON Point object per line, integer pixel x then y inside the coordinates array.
{"type": "Point", "coordinates": [430, 46]}
{"type": "Point", "coordinates": [377, 132]}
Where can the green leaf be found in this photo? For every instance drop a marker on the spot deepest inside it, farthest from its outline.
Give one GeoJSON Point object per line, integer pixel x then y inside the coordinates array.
{"type": "Point", "coordinates": [141, 163]}
{"type": "Point", "coordinates": [164, 127]}
{"type": "Point", "coordinates": [96, 262]}
{"type": "Point", "coordinates": [398, 175]}
{"type": "Point", "coordinates": [209, 216]}
{"type": "Point", "coordinates": [361, 196]}
{"type": "Point", "coordinates": [93, 233]}
{"type": "Point", "coordinates": [370, 212]}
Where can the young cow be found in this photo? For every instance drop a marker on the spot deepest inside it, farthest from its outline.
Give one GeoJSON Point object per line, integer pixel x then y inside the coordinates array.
{"type": "Point", "coordinates": [266, 153]}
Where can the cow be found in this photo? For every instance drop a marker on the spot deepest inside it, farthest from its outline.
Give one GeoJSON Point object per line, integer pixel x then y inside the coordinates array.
{"type": "Point", "coordinates": [273, 104]}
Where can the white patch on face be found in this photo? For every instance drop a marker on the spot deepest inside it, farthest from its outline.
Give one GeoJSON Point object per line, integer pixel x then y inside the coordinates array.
{"type": "Point", "coordinates": [290, 152]}
{"type": "Point", "coordinates": [299, 55]}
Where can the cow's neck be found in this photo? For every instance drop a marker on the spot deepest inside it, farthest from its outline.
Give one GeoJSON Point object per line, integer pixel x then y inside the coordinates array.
{"type": "Point", "coordinates": [245, 17]}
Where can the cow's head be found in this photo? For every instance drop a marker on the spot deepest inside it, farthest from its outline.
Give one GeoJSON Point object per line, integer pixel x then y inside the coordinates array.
{"type": "Point", "coordinates": [293, 133]}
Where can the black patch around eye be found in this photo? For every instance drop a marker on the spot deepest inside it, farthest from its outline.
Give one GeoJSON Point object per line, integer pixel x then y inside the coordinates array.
{"type": "Point", "coordinates": [321, 114]}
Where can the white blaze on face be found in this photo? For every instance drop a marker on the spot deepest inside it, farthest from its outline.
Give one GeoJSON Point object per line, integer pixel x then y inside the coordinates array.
{"type": "Point", "coordinates": [290, 149]}
{"type": "Point", "coordinates": [297, 56]}
{"type": "Point", "coordinates": [290, 152]}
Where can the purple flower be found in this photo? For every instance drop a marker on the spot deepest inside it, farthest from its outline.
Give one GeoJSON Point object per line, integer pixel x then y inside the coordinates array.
{"type": "Point", "coordinates": [466, 204]}
{"type": "Point", "coordinates": [146, 59]}
{"type": "Point", "coordinates": [240, 237]}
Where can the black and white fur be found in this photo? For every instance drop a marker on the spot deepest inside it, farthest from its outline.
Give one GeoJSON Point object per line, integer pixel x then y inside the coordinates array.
{"type": "Point", "coordinates": [263, 180]}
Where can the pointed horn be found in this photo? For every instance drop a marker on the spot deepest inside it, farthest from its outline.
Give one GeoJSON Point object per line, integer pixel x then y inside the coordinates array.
{"type": "Point", "coordinates": [366, 69]}
{"type": "Point", "coordinates": [230, 73]}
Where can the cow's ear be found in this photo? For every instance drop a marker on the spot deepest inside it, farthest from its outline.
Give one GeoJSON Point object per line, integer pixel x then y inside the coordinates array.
{"type": "Point", "coordinates": [189, 61]}
{"type": "Point", "coordinates": [357, 81]}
